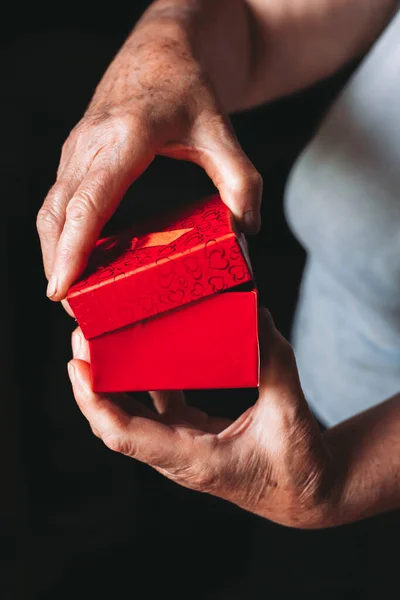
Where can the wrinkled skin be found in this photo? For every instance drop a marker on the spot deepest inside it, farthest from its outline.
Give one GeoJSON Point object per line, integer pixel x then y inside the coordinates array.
{"type": "Point", "coordinates": [272, 461]}
{"type": "Point", "coordinates": [155, 99]}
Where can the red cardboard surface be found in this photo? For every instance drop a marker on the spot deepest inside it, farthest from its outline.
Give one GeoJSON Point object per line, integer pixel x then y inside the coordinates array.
{"type": "Point", "coordinates": [196, 253]}
{"type": "Point", "coordinates": [163, 305]}
{"type": "Point", "coordinates": [210, 344]}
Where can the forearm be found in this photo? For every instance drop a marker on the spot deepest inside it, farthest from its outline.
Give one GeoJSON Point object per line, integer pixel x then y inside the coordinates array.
{"type": "Point", "coordinates": [212, 36]}
{"type": "Point", "coordinates": [216, 33]}
{"type": "Point", "coordinates": [299, 42]}
{"type": "Point", "coordinates": [366, 453]}
{"type": "Point", "coordinates": [254, 51]}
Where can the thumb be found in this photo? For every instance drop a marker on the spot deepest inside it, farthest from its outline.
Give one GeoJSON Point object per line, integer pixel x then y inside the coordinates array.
{"type": "Point", "coordinates": [124, 425]}
{"type": "Point", "coordinates": [280, 387]}
{"type": "Point", "coordinates": [215, 148]}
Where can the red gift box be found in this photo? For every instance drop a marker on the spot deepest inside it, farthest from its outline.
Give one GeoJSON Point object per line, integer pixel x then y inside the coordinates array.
{"type": "Point", "coordinates": [171, 305]}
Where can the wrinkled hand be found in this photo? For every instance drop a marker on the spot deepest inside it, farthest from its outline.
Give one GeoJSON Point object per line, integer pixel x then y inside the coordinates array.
{"type": "Point", "coordinates": [271, 461]}
{"type": "Point", "coordinates": [154, 99]}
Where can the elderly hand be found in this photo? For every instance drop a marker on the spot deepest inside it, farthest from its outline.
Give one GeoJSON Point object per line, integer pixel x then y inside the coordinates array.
{"type": "Point", "coordinates": [272, 461]}
{"type": "Point", "coordinates": [155, 99]}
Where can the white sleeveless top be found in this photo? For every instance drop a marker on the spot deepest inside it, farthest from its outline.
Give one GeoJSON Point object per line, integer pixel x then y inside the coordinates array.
{"type": "Point", "coordinates": [343, 203]}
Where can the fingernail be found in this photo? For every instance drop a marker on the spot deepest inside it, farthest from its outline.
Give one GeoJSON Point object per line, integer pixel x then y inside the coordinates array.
{"type": "Point", "coordinates": [252, 219]}
{"type": "Point", "coordinates": [71, 372]}
{"type": "Point", "coordinates": [52, 287]}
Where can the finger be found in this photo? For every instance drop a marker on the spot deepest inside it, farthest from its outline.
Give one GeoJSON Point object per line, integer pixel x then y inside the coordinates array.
{"type": "Point", "coordinates": [51, 217]}
{"type": "Point", "coordinates": [103, 414]}
{"type": "Point", "coordinates": [89, 209]}
{"type": "Point", "coordinates": [279, 379]}
{"type": "Point", "coordinates": [219, 153]}
{"type": "Point", "coordinates": [80, 347]}
{"type": "Point", "coordinates": [168, 401]}
{"type": "Point", "coordinates": [95, 432]}
{"type": "Point", "coordinates": [147, 440]}
{"type": "Point", "coordinates": [237, 181]}
{"type": "Point", "coordinates": [279, 388]}
{"type": "Point", "coordinates": [276, 354]}
{"type": "Point", "coordinates": [67, 308]}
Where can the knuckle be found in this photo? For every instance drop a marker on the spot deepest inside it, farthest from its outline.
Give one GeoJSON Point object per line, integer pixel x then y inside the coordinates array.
{"type": "Point", "coordinates": [81, 139]}
{"type": "Point", "coordinates": [195, 477]}
{"type": "Point", "coordinates": [82, 207]}
{"type": "Point", "coordinates": [123, 127]}
{"type": "Point", "coordinates": [116, 443]}
{"type": "Point", "coordinates": [65, 148]}
{"type": "Point", "coordinates": [47, 220]}
{"type": "Point", "coordinates": [66, 145]}
{"type": "Point", "coordinates": [201, 476]}
{"type": "Point", "coordinates": [256, 180]}
{"type": "Point", "coordinates": [198, 470]}
{"type": "Point", "coordinates": [95, 431]}
{"type": "Point", "coordinates": [113, 442]}
{"type": "Point", "coordinates": [76, 135]}
{"type": "Point", "coordinates": [110, 132]}
{"type": "Point", "coordinates": [78, 131]}
{"type": "Point", "coordinates": [66, 151]}
{"type": "Point", "coordinates": [247, 183]}
{"type": "Point", "coordinates": [78, 210]}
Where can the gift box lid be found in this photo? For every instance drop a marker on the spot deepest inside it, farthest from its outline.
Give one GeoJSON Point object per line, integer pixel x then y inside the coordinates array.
{"type": "Point", "coordinates": [144, 271]}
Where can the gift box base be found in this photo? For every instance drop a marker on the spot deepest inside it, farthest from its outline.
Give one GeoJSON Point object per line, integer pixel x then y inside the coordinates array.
{"type": "Point", "coordinates": [210, 344]}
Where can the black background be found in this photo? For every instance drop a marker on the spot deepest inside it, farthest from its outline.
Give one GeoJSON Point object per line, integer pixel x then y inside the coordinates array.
{"type": "Point", "coordinates": [77, 521]}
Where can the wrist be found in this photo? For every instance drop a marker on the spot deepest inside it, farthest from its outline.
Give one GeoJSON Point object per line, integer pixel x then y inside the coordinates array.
{"type": "Point", "coordinates": [173, 20]}
{"type": "Point", "coordinates": [214, 34]}
{"type": "Point", "coordinates": [320, 505]}
{"type": "Point", "coordinates": [332, 510]}
{"type": "Point", "coordinates": [156, 61]}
